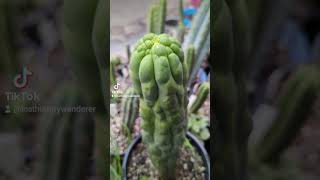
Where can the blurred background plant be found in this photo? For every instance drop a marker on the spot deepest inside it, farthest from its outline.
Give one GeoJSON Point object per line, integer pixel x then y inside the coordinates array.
{"type": "Point", "coordinates": [266, 85]}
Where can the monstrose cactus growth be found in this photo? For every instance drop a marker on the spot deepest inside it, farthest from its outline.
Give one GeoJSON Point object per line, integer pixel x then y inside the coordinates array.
{"type": "Point", "coordinates": [159, 75]}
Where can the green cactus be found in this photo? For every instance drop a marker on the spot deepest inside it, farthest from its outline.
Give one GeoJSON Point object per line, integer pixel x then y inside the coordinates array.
{"type": "Point", "coordinates": [67, 140]}
{"type": "Point", "coordinates": [86, 44]}
{"type": "Point", "coordinates": [100, 44]}
{"type": "Point", "coordinates": [130, 108]}
{"type": "Point", "coordinates": [157, 17]}
{"type": "Point", "coordinates": [202, 95]}
{"type": "Point", "coordinates": [199, 37]}
{"type": "Point", "coordinates": [77, 39]}
{"type": "Point", "coordinates": [226, 164]}
{"type": "Point", "coordinates": [181, 30]}
{"type": "Point", "coordinates": [294, 105]}
{"type": "Point", "coordinates": [8, 63]}
{"type": "Point", "coordinates": [190, 58]}
{"type": "Point", "coordinates": [158, 72]}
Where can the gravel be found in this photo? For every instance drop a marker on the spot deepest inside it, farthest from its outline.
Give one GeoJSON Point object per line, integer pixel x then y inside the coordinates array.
{"type": "Point", "coordinates": [189, 167]}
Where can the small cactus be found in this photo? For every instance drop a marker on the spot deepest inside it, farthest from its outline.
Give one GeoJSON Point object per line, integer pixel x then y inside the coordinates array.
{"type": "Point", "coordinates": [157, 17]}
{"type": "Point", "coordinates": [202, 95]}
{"type": "Point", "coordinates": [158, 72]}
{"type": "Point", "coordinates": [190, 58]}
{"type": "Point", "coordinates": [67, 140]}
{"type": "Point", "coordinates": [130, 108]}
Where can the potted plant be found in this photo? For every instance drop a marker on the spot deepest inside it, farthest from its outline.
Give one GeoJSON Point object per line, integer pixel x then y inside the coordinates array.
{"type": "Point", "coordinates": [167, 151]}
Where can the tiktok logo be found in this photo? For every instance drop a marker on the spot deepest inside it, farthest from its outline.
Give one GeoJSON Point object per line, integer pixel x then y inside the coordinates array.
{"type": "Point", "coordinates": [116, 87]}
{"type": "Point", "coordinates": [21, 80]}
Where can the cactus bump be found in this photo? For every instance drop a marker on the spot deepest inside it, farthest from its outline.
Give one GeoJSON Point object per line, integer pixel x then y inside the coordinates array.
{"type": "Point", "coordinates": [130, 108]}
{"type": "Point", "coordinates": [202, 95]}
{"type": "Point", "coordinates": [158, 72]}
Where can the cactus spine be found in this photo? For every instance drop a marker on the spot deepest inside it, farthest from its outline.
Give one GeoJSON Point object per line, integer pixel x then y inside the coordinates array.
{"type": "Point", "coordinates": [130, 108]}
{"type": "Point", "coordinates": [201, 97]}
{"type": "Point", "coordinates": [199, 37]}
{"type": "Point", "coordinates": [67, 141]}
{"type": "Point", "coordinates": [157, 17]}
{"type": "Point", "coordinates": [158, 72]}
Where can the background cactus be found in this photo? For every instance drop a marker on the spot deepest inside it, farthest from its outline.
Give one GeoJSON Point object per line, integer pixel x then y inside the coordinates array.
{"type": "Point", "coordinates": [77, 39]}
{"type": "Point", "coordinates": [158, 72]}
{"type": "Point", "coordinates": [86, 47]}
{"type": "Point", "coordinates": [130, 108]}
{"type": "Point", "coordinates": [157, 17]}
{"type": "Point", "coordinates": [190, 58]}
{"type": "Point", "coordinates": [67, 140]}
{"type": "Point", "coordinates": [237, 46]}
{"type": "Point", "coordinates": [202, 95]}
{"type": "Point", "coordinates": [294, 104]}
{"type": "Point", "coordinates": [181, 30]}
{"type": "Point", "coordinates": [199, 37]}
{"type": "Point", "coordinates": [7, 54]}
{"type": "Point", "coordinates": [114, 61]}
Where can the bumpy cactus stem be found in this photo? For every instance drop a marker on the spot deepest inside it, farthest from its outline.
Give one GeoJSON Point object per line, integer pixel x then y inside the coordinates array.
{"type": "Point", "coordinates": [67, 140]}
{"type": "Point", "coordinates": [157, 17]}
{"type": "Point", "coordinates": [130, 108]}
{"type": "Point", "coordinates": [158, 72]}
{"type": "Point", "coordinates": [202, 95]}
{"type": "Point", "coordinates": [199, 37]}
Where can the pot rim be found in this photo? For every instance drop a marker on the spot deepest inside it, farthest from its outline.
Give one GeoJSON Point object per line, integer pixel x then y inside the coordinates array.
{"type": "Point", "coordinates": [193, 140]}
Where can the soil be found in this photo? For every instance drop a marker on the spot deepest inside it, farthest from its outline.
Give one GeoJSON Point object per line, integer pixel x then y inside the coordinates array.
{"type": "Point", "coordinates": [118, 139]}
{"type": "Point", "coordinates": [189, 166]}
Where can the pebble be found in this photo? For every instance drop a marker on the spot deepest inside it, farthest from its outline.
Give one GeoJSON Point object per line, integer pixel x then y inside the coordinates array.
{"type": "Point", "coordinates": [140, 165]}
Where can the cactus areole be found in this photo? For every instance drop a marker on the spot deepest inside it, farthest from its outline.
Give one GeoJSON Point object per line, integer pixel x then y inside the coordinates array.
{"type": "Point", "coordinates": [158, 72]}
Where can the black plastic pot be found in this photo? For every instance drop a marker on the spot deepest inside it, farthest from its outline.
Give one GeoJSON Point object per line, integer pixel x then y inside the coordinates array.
{"type": "Point", "coordinates": [193, 140]}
